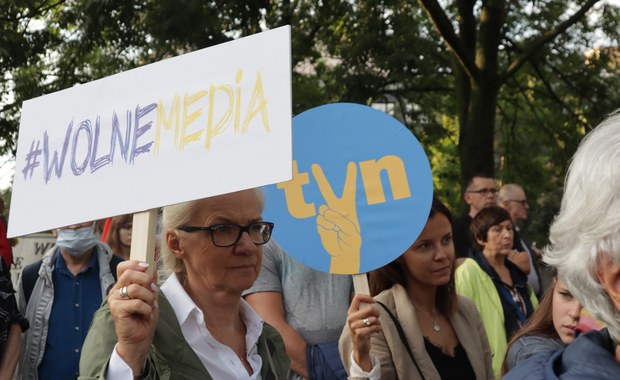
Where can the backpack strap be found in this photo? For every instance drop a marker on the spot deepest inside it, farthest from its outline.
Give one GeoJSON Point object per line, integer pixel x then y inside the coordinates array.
{"type": "Point", "coordinates": [113, 264]}
{"type": "Point", "coordinates": [30, 274]}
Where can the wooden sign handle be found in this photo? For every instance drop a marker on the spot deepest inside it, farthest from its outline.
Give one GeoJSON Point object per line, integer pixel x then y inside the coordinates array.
{"type": "Point", "coordinates": [143, 238]}
{"type": "Point", "coordinates": [360, 283]}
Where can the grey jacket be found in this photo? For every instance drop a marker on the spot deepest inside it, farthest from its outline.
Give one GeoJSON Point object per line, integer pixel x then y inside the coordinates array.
{"type": "Point", "coordinates": [39, 308]}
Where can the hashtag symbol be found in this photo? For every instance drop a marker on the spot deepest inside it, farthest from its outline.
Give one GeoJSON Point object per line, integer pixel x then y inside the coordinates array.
{"type": "Point", "coordinates": [32, 160]}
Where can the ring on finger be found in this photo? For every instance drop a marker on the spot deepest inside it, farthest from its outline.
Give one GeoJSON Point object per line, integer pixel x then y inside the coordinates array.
{"type": "Point", "coordinates": [124, 292]}
{"type": "Point", "coordinates": [366, 322]}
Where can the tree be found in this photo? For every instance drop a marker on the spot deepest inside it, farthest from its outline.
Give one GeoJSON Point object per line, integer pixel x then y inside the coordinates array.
{"type": "Point", "coordinates": [480, 72]}
{"type": "Point", "coordinates": [513, 76]}
{"type": "Point", "coordinates": [20, 46]}
{"type": "Point", "coordinates": [49, 45]}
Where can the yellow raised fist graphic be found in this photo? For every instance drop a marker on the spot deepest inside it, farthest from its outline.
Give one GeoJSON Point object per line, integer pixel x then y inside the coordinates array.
{"type": "Point", "coordinates": [337, 222]}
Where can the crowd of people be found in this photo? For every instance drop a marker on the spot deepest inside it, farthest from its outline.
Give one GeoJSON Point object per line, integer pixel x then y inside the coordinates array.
{"type": "Point", "coordinates": [471, 298]}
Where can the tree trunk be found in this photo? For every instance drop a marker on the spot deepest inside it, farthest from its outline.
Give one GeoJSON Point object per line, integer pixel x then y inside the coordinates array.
{"type": "Point", "coordinates": [477, 135]}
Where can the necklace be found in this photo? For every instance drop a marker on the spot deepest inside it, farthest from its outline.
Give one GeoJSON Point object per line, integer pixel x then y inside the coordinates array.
{"type": "Point", "coordinates": [241, 357]}
{"type": "Point", "coordinates": [436, 326]}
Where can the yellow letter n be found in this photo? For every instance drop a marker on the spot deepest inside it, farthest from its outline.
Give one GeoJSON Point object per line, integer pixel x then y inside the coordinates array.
{"type": "Point", "coordinates": [371, 176]}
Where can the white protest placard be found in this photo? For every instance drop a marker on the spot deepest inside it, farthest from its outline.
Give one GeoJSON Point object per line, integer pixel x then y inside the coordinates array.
{"type": "Point", "coordinates": [205, 123]}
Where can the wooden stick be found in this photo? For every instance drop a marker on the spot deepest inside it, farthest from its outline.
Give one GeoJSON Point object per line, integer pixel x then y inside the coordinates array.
{"type": "Point", "coordinates": [360, 284]}
{"type": "Point", "coordinates": [143, 236]}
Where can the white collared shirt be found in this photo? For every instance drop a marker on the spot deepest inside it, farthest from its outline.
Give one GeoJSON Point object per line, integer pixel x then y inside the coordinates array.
{"type": "Point", "coordinates": [219, 359]}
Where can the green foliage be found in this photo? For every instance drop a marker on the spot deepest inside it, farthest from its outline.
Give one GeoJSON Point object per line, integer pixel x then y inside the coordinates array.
{"type": "Point", "coordinates": [443, 157]}
{"type": "Point", "coordinates": [371, 51]}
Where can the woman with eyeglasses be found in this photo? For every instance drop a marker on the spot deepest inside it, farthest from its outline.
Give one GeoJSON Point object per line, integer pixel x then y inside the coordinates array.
{"type": "Point", "coordinates": [497, 286]}
{"type": "Point", "coordinates": [417, 328]}
{"type": "Point", "coordinates": [196, 326]}
{"type": "Point", "coordinates": [119, 238]}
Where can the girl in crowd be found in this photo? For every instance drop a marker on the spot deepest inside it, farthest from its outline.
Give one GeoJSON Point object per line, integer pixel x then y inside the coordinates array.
{"type": "Point", "coordinates": [497, 286]}
{"type": "Point", "coordinates": [552, 326]}
{"type": "Point", "coordinates": [119, 238]}
{"type": "Point", "coordinates": [417, 327]}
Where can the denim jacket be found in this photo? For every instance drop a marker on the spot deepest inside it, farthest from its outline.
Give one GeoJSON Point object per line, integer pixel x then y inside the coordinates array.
{"type": "Point", "coordinates": [591, 356]}
{"type": "Point", "coordinates": [529, 345]}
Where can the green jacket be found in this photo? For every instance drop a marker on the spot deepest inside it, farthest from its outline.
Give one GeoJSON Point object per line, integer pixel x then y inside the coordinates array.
{"type": "Point", "coordinates": [473, 283]}
{"type": "Point", "coordinates": [170, 356]}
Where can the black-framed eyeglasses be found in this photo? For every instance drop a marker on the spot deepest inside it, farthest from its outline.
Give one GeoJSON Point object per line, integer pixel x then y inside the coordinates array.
{"type": "Point", "coordinates": [483, 191]}
{"type": "Point", "coordinates": [522, 201]}
{"type": "Point", "coordinates": [226, 235]}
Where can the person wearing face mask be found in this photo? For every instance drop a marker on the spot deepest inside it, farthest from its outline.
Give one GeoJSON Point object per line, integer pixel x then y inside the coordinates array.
{"type": "Point", "coordinates": [59, 295]}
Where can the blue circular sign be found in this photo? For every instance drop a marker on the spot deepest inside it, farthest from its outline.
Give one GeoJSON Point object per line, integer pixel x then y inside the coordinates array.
{"type": "Point", "coordinates": [361, 191]}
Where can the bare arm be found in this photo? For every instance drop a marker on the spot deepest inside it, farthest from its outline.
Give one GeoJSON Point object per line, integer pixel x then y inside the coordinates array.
{"type": "Point", "coordinates": [270, 307]}
{"type": "Point", "coordinates": [11, 352]}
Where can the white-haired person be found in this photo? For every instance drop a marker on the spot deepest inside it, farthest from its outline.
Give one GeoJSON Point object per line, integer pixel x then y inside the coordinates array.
{"type": "Point", "coordinates": [585, 249]}
{"type": "Point", "coordinates": [196, 326]}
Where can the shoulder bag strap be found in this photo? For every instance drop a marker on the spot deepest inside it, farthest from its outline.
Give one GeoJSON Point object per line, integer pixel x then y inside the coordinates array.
{"type": "Point", "coordinates": [30, 274]}
{"type": "Point", "coordinates": [403, 338]}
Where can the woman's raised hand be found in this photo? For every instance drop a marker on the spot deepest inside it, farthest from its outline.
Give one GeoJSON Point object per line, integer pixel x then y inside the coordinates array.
{"type": "Point", "coordinates": [134, 308]}
{"type": "Point", "coordinates": [363, 321]}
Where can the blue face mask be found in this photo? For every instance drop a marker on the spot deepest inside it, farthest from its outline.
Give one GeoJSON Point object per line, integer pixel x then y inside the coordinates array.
{"type": "Point", "coordinates": [77, 242]}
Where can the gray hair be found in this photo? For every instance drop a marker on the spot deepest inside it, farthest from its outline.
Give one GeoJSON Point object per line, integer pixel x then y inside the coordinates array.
{"type": "Point", "coordinates": [507, 192]}
{"type": "Point", "coordinates": [588, 224]}
{"type": "Point", "coordinates": [174, 216]}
